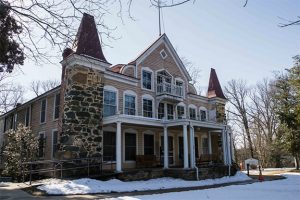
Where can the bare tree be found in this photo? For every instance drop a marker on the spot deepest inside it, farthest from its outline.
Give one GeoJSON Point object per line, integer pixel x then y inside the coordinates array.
{"type": "Point", "coordinates": [237, 93]}
{"type": "Point", "coordinates": [10, 96]}
{"type": "Point", "coordinates": [40, 87]}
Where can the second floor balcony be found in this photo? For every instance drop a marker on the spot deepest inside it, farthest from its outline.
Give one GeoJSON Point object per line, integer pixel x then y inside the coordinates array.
{"type": "Point", "coordinates": [169, 91]}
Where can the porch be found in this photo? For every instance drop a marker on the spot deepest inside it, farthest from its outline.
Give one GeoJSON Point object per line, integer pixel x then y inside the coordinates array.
{"type": "Point", "coordinates": [131, 142]}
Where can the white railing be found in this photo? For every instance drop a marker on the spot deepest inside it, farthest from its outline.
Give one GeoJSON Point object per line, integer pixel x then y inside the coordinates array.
{"type": "Point", "coordinates": [168, 88]}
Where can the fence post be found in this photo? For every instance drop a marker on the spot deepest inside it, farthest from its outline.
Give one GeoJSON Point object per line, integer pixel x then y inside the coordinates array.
{"type": "Point", "coordinates": [61, 175]}
{"type": "Point", "coordinates": [30, 173]}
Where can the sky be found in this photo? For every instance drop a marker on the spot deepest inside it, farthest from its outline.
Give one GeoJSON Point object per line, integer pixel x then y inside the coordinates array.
{"type": "Point", "coordinates": [239, 42]}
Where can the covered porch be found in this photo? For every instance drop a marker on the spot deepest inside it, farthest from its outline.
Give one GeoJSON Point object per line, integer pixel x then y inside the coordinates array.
{"type": "Point", "coordinates": [132, 142]}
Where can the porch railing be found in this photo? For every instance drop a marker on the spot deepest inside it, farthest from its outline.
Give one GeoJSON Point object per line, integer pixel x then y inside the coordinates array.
{"type": "Point", "coordinates": [168, 88]}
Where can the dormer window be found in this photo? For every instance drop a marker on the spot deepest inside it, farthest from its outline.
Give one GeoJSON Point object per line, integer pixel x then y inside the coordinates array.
{"type": "Point", "coordinates": [163, 54]}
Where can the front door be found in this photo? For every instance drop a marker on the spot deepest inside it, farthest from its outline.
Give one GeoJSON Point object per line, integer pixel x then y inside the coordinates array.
{"type": "Point", "coordinates": [171, 150]}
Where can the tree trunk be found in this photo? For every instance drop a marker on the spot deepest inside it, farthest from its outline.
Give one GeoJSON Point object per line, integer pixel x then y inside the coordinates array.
{"type": "Point", "coordinates": [297, 161]}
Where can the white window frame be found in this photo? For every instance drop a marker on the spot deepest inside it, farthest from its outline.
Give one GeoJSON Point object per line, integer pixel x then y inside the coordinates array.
{"type": "Point", "coordinates": [192, 106]}
{"type": "Point", "coordinates": [42, 133]}
{"type": "Point", "coordinates": [52, 136]}
{"type": "Point", "coordinates": [29, 117]}
{"type": "Point", "coordinates": [184, 109]}
{"type": "Point", "coordinates": [130, 93]}
{"type": "Point", "coordinates": [55, 96]}
{"type": "Point", "coordinates": [148, 97]}
{"type": "Point", "coordinates": [115, 90]}
{"type": "Point", "coordinates": [147, 69]}
{"type": "Point", "coordinates": [131, 131]}
{"type": "Point", "coordinates": [161, 54]}
{"type": "Point", "coordinates": [45, 111]}
{"type": "Point", "coordinates": [178, 79]}
{"type": "Point", "coordinates": [206, 116]}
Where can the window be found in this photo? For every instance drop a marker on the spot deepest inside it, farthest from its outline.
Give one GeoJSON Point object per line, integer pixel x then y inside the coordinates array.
{"type": "Point", "coordinates": [27, 116]}
{"type": "Point", "coordinates": [180, 112]}
{"type": "Point", "coordinates": [147, 79]}
{"type": "Point", "coordinates": [179, 88]}
{"type": "Point", "coordinates": [130, 146]}
{"type": "Point", "coordinates": [163, 54]}
{"type": "Point", "coordinates": [180, 141]}
{"type": "Point", "coordinates": [109, 146]}
{"type": "Point", "coordinates": [161, 110]}
{"type": "Point", "coordinates": [170, 111]}
{"type": "Point", "coordinates": [147, 108]}
{"type": "Point", "coordinates": [54, 142]}
{"type": "Point", "coordinates": [109, 103]}
{"type": "Point", "coordinates": [192, 113]}
{"type": "Point", "coordinates": [148, 144]}
{"type": "Point", "coordinates": [203, 115]}
{"type": "Point", "coordinates": [204, 143]}
{"type": "Point", "coordinates": [129, 105]}
{"type": "Point", "coordinates": [41, 145]}
{"type": "Point", "coordinates": [56, 106]}
{"type": "Point", "coordinates": [43, 111]}
{"type": "Point", "coordinates": [196, 148]}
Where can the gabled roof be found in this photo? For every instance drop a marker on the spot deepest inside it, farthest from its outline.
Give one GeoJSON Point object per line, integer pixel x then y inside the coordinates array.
{"type": "Point", "coordinates": [163, 39]}
{"type": "Point", "coordinates": [87, 40]}
{"type": "Point", "coordinates": [214, 87]}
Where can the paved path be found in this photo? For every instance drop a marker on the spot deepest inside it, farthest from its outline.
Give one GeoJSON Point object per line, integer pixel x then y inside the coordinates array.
{"type": "Point", "coordinates": [14, 191]}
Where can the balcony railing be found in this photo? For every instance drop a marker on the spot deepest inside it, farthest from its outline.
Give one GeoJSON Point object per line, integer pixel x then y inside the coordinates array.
{"type": "Point", "coordinates": [168, 88]}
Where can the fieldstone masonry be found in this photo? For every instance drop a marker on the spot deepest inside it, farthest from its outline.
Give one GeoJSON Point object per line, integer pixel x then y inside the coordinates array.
{"type": "Point", "coordinates": [82, 113]}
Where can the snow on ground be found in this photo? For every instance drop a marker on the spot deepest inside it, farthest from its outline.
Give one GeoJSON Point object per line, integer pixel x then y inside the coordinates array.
{"type": "Point", "coordinates": [286, 189]}
{"type": "Point", "coordinates": [88, 186]}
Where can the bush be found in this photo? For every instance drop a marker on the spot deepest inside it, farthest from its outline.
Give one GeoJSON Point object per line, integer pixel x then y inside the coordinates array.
{"type": "Point", "coordinates": [21, 146]}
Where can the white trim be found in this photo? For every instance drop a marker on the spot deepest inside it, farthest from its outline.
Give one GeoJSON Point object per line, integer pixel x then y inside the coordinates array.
{"type": "Point", "coordinates": [148, 132]}
{"type": "Point", "coordinates": [161, 54]}
{"type": "Point", "coordinates": [45, 111]}
{"type": "Point", "coordinates": [120, 78]}
{"type": "Point", "coordinates": [148, 97]}
{"type": "Point", "coordinates": [147, 69]}
{"type": "Point", "coordinates": [130, 131]}
{"type": "Point", "coordinates": [44, 150]}
{"type": "Point", "coordinates": [160, 70]}
{"type": "Point", "coordinates": [52, 133]}
{"type": "Point", "coordinates": [125, 67]}
{"type": "Point", "coordinates": [112, 89]}
{"type": "Point", "coordinates": [184, 108]}
{"type": "Point", "coordinates": [196, 111]}
{"type": "Point", "coordinates": [161, 144]}
{"type": "Point", "coordinates": [54, 100]}
{"type": "Point", "coordinates": [130, 93]}
{"type": "Point", "coordinates": [206, 113]}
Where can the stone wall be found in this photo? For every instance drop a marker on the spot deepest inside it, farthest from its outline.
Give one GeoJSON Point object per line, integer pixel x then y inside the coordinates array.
{"type": "Point", "coordinates": [82, 113]}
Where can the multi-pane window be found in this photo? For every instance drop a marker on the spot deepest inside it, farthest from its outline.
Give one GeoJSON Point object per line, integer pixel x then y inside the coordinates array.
{"type": "Point", "coordinates": [56, 106]}
{"type": "Point", "coordinates": [203, 115]}
{"type": "Point", "coordinates": [192, 113]}
{"type": "Point", "coordinates": [161, 110]}
{"type": "Point", "coordinates": [27, 116]}
{"type": "Point", "coordinates": [147, 76]}
{"type": "Point", "coordinates": [129, 105]}
{"type": "Point", "coordinates": [41, 145]}
{"type": "Point", "coordinates": [148, 144]}
{"type": "Point", "coordinates": [109, 146]}
{"type": "Point", "coordinates": [180, 112]}
{"type": "Point", "coordinates": [130, 146]}
{"type": "Point", "coordinates": [204, 143]}
{"type": "Point", "coordinates": [170, 111]}
{"type": "Point", "coordinates": [54, 142]}
{"type": "Point", "coordinates": [109, 103]}
{"type": "Point", "coordinates": [43, 111]}
{"type": "Point", "coordinates": [147, 108]}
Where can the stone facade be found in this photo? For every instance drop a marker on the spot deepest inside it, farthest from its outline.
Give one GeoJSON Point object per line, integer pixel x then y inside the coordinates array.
{"type": "Point", "coordinates": [82, 113]}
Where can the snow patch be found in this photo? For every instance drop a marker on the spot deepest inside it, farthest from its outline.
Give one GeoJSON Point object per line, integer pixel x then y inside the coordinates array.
{"type": "Point", "coordinates": [89, 186]}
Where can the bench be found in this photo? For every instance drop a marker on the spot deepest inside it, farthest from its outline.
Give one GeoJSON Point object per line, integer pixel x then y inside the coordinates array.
{"type": "Point", "coordinates": [146, 161]}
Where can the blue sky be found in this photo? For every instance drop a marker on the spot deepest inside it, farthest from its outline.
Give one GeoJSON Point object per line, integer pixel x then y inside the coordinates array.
{"type": "Point", "coordinates": [240, 43]}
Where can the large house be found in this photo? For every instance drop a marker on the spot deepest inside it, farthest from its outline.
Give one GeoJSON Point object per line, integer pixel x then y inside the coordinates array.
{"type": "Point", "coordinates": [125, 111]}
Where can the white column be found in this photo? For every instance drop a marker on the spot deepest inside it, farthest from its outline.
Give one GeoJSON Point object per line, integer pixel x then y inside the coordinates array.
{"type": "Point", "coordinates": [228, 147]}
{"type": "Point", "coordinates": [166, 148]}
{"type": "Point", "coordinates": [224, 147]}
{"type": "Point", "coordinates": [118, 148]}
{"type": "Point", "coordinates": [192, 147]}
{"type": "Point", "coordinates": [209, 143]}
{"type": "Point", "coordinates": [185, 148]}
